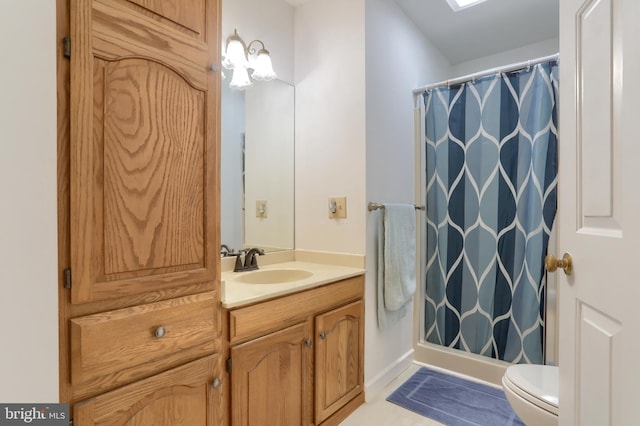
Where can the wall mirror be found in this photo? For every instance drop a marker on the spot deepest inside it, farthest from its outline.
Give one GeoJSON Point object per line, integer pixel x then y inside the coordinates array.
{"type": "Point", "coordinates": [257, 166]}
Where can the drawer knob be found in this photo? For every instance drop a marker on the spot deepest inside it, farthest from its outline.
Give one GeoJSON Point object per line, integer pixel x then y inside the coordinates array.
{"type": "Point", "coordinates": [160, 332]}
{"type": "Point", "coordinates": [323, 335]}
{"type": "Point", "coordinates": [308, 343]}
{"type": "Point", "coordinates": [216, 383]}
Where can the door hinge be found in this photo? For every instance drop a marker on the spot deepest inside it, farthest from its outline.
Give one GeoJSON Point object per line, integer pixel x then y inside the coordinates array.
{"type": "Point", "coordinates": [70, 422]}
{"type": "Point", "coordinates": [229, 365]}
{"type": "Point", "coordinates": [66, 45]}
{"type": "Point", "coordinates": [67, 278]}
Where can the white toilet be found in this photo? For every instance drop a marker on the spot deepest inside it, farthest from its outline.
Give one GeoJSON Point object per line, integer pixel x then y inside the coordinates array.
{"type": "Point", "coordinates": [532, 391]}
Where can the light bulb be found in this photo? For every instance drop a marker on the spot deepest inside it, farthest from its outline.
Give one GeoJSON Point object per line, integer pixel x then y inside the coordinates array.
{"type": "Point", "coordinates": [263, 67]}
{"type": "Point", "coordinates": [240, 79]}
{"type": "Point", "coordinates": [235, 56]}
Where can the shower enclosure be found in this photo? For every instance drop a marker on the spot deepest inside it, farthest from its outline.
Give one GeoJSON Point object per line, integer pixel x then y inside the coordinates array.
{"type": "Point", "coordinates": [490, 177]}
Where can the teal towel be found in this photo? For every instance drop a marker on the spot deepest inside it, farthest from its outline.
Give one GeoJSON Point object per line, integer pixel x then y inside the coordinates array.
{"type": "Point", "coordinates": [396, 262]}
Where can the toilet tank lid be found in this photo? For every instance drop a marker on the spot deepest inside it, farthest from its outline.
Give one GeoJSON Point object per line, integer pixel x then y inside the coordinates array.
{"type": "Point", "coordinates": [540, 381]}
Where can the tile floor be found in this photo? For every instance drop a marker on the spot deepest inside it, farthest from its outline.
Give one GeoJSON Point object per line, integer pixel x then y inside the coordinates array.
{"type": "Point", "coordinates": [379, 412]}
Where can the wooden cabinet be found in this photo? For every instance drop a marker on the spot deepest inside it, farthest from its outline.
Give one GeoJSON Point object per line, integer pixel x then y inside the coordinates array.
{"type": "Point", "coordinates": [339, 358]}
{"type": "Point", "coordinates": [119, 346]}
{"type": "Point", "coordinates": [176, 397]}
{"type": "Point", "coordinates": [277, 346]}
{"type": "Point", "coordinates": [144, 153]}
{"type": "Point", "coordinates": [138, 188]}
{"type": "Point", "coordinates": [273, 377]}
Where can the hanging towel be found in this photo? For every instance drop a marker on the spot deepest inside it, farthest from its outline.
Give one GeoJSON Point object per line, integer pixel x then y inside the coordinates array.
{"type": "Point", "coordinates": [396, 262]}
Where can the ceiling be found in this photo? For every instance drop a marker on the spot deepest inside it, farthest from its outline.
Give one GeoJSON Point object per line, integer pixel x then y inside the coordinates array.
{"type": "Point", "coordinates": [491, 27]}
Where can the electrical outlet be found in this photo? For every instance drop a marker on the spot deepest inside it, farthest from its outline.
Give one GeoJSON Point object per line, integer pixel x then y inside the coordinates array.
{"type": "Point", "coordinates": [337, 208]}
{"type": "Point", "coordinates": [261, 208]}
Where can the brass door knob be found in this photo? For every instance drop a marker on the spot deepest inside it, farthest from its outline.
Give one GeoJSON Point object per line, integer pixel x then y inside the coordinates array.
{"type": "Point", "coordinates": [553, 263]}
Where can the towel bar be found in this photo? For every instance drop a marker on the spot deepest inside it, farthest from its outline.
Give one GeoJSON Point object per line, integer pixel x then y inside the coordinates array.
{"type": "Point", "coordinates": [376, 206]}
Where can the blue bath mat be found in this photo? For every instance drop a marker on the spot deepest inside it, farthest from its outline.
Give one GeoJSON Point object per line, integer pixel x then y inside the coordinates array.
{"type": "Point", "coordinates": [454, 401]}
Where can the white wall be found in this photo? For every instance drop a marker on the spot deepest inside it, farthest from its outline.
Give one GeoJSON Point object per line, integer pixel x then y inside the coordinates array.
{"type": "Point", "coordinates": [399, 58]}
{"type": "Point", "coordinates": [28, 211]}
{"type": "Point", "coordinates": [521, 54]}
{"type": "Point", "coordinates": [330, 124]}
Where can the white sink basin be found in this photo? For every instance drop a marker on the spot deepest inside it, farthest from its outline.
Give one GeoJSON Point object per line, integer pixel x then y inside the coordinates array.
{"type": "Point", "coordinates": [273, 276]}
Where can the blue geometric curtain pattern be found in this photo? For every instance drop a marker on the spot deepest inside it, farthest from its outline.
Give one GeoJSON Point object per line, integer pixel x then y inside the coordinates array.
{"type": "Point", "coordinates": [491, 158]}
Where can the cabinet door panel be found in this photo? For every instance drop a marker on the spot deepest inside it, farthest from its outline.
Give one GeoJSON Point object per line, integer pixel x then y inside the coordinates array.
{"type": "Point", "coordinates": [144, 156]}
{"type": "Point", "coordinates": [339, 358]}
{"type": "Point", "coordinates": [178, 397]}
{"type": "Point", "coordinates": [270, 379]}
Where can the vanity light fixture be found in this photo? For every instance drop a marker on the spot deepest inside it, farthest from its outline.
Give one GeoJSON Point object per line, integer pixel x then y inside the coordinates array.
{"type": "Point", "coordinates": [241, 57]}
{"type": "Point", "coordinates": [458, 5]}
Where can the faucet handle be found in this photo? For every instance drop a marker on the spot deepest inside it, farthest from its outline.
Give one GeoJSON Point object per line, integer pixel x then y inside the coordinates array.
{"type": "Point", "coordinates": [238, 265]}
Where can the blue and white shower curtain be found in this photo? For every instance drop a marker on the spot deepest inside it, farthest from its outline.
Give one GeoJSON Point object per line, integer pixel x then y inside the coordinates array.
{"type": "Point", "coordinates": [491, 159]}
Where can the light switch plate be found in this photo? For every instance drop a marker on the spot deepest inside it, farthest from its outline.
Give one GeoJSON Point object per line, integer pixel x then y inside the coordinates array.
{"type": "Point", "coordinates": [337, 208]}
{"type": "Point", "coordinates": [261, 208]}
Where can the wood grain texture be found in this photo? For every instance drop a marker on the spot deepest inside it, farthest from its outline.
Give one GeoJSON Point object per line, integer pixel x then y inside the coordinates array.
{"type": "Point", "coordinates": [271, 379]}
{"type": "Point", "coordinates": [120, 32]}
{"type": "Point", "coordinates": [66, 309]}
{"type": "Point", "coordinates": [188, 13]}
{"type": "Point", "coordinates": [144, 152]}
{"type": "Point", "coordinates": [337, 368]}
{"type": "Point", "coordinates": [339, 375]}
{"type": "Point", "coordinates": [63, 158]}
{"type": "Point", "coordinates": [81, 152]}
{"type": "Point", "coordinates": [175, 397]}
{"type": "Point", "coordinates": [253, 321]}
{"type": "Point", "coordinates": [106, 34]}
{"type": "Point", "coordinates": [110, 343]}
{"type": "Point", "coordinates": [153, 168]}
{"type": "Point", "coordinates": [340, 415]}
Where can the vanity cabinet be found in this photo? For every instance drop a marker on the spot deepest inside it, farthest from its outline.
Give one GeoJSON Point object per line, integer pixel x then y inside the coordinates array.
{"type": "Point", "coordinates": [271, 378]}
{"type": "Point", "coordinates": [181, 396]}
{"type": "Point", "coordinates": [298, 359]}
{"type": "Point", "coordinates": [141, 327]}
{"type": "Point", "coordinates": [339, 358]}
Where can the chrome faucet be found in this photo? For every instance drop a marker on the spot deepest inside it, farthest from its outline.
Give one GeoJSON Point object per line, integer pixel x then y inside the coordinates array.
{"type": "Point", "coordinates": [250, 261]}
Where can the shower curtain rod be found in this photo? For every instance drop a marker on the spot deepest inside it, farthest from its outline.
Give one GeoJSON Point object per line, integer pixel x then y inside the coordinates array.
{"type": "Point", "coordinates": [506, 68]}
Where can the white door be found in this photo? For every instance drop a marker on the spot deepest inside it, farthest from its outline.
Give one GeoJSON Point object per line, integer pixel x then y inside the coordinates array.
{"type": "Point", "coordinates": [599, 212]}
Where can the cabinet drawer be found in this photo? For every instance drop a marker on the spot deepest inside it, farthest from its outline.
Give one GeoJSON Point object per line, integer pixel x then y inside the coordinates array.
{"type": "Point", "coordinates": [257, 320]}
{"type": "Point", "coordinates": [126, 344]}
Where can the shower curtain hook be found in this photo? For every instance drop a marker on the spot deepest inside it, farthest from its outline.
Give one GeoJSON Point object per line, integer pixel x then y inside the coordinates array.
{"type": "Point", "coordinates": [529, 65]}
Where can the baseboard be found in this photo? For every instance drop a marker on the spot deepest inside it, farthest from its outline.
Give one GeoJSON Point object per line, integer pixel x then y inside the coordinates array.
{"type": "Point", "coordinates": [468, 365]}
{"type": "Point", "coordinates": [374, 387]}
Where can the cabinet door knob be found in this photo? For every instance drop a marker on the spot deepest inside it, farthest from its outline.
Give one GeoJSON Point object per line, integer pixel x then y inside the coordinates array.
{"type": "Point", "coordinates": [323, 335]}
{"type": "Point", "coordinates": [216, 383]}
{"type": "Point", "coordinates": [308, 343]}
{"type": "Point", "coordinates": [160, 332]}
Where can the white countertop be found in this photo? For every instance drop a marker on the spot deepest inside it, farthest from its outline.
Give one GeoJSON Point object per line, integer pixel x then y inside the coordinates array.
{"type": "Point", "coordinates": [236, 293]}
